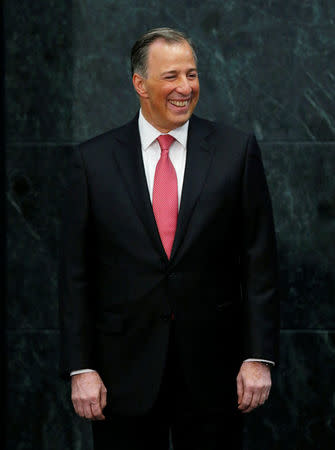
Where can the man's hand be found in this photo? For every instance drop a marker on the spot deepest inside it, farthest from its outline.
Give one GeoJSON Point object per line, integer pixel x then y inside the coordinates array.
{"type": "Point", "coordinates": [89, 395]}
{"type": "Point", "coordinates": [253, 385]}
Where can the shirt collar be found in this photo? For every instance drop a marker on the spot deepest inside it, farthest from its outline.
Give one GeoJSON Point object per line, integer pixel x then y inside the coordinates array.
{"type": "Point", "coordinates": [148, 133]}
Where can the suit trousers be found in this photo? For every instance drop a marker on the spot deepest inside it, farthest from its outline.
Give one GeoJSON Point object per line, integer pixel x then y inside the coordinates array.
{"type": "Point", "coordinates": [174, 413]}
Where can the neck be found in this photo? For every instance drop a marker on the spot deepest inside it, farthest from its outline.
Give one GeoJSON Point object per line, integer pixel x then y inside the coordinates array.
{"type": "Point", "coordinates": [148, 117]}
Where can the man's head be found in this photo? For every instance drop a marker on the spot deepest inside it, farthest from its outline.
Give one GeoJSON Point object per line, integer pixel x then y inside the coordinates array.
{"type": "Point", "coordinates": [164, 69]}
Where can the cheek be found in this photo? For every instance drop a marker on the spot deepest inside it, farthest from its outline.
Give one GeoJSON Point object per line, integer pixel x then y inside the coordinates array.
{"type": "Point", "coordinates": [162, 97]}
{"type": "Point", "coordinates": [196, 88]}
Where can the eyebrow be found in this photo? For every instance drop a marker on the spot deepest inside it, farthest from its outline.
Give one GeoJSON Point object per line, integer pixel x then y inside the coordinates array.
{"type": "Point", "coordinates": [175, 71]}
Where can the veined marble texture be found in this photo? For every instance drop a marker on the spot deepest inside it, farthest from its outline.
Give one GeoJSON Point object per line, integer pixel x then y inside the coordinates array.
{"type": "Point", "coordinates": [265, 66]}
{"type": "Point", "coordinates": [302, 184]}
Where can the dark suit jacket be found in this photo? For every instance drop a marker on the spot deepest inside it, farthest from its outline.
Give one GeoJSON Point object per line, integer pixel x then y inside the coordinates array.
{"type": "Point", "coordinates": [117, 288]}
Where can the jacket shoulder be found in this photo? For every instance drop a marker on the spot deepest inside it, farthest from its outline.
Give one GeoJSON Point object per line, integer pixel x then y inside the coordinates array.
{"type": "Point", "coordinates": [101, 140]}
{"type": "Point", "coordinates": [222, 129]}
{"type": "Point", "coordinates": [105, 140]}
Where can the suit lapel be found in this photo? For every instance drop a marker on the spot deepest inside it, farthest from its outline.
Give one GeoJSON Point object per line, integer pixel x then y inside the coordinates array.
{"type": "Point", "coordinates": [198, 159]}
{"type": "Point", "coordinates": [130, 163]}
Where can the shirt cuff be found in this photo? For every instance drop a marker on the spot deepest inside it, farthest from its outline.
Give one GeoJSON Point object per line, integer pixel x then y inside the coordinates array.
{"type": "Point", "coordinates": [75, 372]}
{"type": "Point", "coordinates": [260, 360]}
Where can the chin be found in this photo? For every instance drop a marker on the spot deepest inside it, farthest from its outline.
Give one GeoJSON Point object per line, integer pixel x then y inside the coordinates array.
{"type": "Point", "coordinates": [178, 123]}
{"type": "Point", "coordinates": [181, 118]}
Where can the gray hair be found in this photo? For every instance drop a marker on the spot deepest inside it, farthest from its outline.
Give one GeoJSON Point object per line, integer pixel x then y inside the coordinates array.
{"type": "Point", "coordinates": [139, 52]}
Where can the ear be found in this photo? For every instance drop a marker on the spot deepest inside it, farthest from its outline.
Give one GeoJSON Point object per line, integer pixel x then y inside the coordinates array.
{"type": "Point", "coordinates": [140, 85]}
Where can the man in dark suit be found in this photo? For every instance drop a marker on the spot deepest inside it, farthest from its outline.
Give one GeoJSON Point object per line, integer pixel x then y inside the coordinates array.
{"type": "Point", "coordinates": [168, 268]}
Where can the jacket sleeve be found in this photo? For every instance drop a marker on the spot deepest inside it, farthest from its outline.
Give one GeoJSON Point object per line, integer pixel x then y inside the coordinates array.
{"type": "Point", "coordinates": [259, 262]}
{"type": "Point", "coordinates": [75, 313]}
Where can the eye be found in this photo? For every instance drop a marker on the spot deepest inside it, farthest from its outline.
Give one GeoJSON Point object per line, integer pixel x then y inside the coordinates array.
{"type": "Point", "coordinates": [170, 77]}
{"type": "Point", "coordinates": [192, 75]}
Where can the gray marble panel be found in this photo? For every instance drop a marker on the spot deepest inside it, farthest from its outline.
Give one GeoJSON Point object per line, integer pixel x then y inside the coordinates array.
{"type": "Point", "coordinates": [267, 66]}
{"type": "Point", "coordinates": [299, 414]}
{"type": "Point", "coordinates": [39, 410]}
{"type": "Point", "coordinates": [302, 184]}
{"type": "Point", "coordinates": [38, 77]}
{"type": "Point", "coordinates": [36, 178]}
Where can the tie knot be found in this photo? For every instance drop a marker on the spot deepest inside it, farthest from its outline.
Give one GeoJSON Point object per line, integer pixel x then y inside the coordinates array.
{"type": "Point", "coordinates": [165, 140]}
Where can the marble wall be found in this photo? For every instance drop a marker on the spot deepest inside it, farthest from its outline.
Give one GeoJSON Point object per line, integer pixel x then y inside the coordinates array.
{"type": "Point", "coordinates": [266, 66]}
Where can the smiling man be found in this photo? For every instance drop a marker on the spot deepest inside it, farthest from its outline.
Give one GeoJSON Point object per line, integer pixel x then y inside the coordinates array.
{"type": "Point", "coordinates": [168, 269]}
{"type": "Point", "coordinates": [168, 86]}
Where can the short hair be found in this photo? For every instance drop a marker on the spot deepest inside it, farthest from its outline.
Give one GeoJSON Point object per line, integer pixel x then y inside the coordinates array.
{"type": "Point", "coordinates": [139, 52]}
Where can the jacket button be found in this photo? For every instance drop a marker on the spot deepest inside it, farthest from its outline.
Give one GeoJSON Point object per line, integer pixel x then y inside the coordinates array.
{"type": "Point", "coordinates": [165, 317]}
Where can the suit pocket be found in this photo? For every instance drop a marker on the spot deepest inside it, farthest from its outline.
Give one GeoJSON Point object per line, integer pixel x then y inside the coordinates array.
{"type": "Point", "coordinates": [111, 323]}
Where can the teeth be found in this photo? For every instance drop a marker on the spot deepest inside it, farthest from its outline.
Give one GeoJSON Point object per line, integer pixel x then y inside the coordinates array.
{"type": "Point", "coordinates": [176, 103]}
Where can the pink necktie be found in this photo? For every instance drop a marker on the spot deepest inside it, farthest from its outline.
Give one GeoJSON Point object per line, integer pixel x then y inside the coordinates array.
{"type": "Point", "coordinates": [165, 195]}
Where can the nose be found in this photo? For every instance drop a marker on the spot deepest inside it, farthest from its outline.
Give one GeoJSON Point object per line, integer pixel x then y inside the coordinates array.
{"type": "Point", "coordinates": [184, 86]}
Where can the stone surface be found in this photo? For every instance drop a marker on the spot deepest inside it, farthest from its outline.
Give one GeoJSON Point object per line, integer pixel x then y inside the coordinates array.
{"type": "Point", "coordinates": [264, 66]}
{"type": "Point", "coordinates": [302, 184]}
{"type": "Point", "coordinates": [300, 412]}
{"type": "Point", "coordinates": [35, 182]}
{"type": "Point", "coordinates": [38, 70]}
{"type": "Point", "coordinates": [267, 66]}
{"type": "Point", "coordinates": [39, 412]}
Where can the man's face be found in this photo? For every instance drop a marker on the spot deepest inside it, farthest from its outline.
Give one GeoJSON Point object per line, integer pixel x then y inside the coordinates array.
{"type": "Point", "coordinates": [171, 89]}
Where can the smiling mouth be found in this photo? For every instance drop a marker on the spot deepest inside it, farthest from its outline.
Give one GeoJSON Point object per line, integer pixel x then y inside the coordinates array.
{"type": "Point", "coordinates": [180, 103]}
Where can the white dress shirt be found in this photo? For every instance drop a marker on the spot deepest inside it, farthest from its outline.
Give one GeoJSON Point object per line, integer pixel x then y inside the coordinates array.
{"type": "Point", "coordinates": [151, 153]}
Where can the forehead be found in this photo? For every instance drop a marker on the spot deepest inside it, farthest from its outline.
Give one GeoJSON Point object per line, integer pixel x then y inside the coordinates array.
{"type": "Point", "coordinates": [163, 55]}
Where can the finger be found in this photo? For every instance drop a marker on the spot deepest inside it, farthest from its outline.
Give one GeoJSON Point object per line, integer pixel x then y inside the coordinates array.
{"type": "Point", "coordinates": [96, 411]}
{"type": "Point", "coordinates": [239, 384]}
{"type": "Point", "coordinates": [246, 400]}
{"type": "Point", "coordinates": [103, 397]}
{"type": "Point", "coordinates": [254, 402]}
{"type": "Point", "coordinates": [80, 409]}
{"type": "Point", "coordinates": [267, 393]}
{"type": "Point", "coordinates": [246, 404]}
{"type": "Point", "coordinates": [263, 396]}
{"type": "Point", "coordinates": [76, 406]}
{"type": "Point", "coordinates": [87, 411]}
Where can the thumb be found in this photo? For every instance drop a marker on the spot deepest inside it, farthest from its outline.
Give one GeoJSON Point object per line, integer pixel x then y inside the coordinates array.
{"type": "Point", "coordinates": [239, 383]}
{"type": "Point", "coordinates": [103, 397]}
